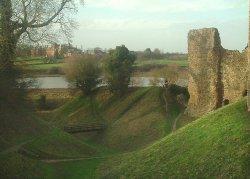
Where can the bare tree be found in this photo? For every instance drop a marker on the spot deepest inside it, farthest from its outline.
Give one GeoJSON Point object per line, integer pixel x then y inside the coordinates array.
{"type": "Point", "coordinates": [33, 20]}
{"type": "Point", "coordinates": [170, 73]}
{"type": "Point", "coordinates": [83, 72]}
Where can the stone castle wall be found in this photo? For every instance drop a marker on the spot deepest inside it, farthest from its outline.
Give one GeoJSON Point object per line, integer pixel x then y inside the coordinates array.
{"type": "Point", "coordinates": [215, 74]}
{"type": "Point", "coordinates": [234, 70]}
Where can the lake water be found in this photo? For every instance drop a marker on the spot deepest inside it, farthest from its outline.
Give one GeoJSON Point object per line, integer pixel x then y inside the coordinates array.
{"type": "Point", "coordinates": [60, 82]}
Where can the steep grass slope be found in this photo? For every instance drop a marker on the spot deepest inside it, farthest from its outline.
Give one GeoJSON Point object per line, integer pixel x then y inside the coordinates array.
{"type": "Point", "coordinates": [137, 120]}
{"type": "Point", "coordinates": [79, 110]}
{"type": "Point", "coordinates": [215, 145]}
{"type": "Point", "coordinates": [15, 165]}
{"type": "Point", "coordinates": [57, 144]}
{"type": "Point", "coordinates": [23, 129]}
{"type": "Point", "coordinates": [17, 127]}
{"type": "Point", "coordinates": [133, 121]}
{"type": "Point", "coordinates": [25, 140]}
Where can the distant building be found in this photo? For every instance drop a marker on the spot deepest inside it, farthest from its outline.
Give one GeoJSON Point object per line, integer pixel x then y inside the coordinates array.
{"type": "Point", "coordinates": [98, 52]}
{"type": "Point", "coordinates": [53, 51]}
{"type": "Point", "coordinates": [68, 50]}
{"type": "Point", "coordinates": [38, 52]}
{"type": "Point", "coordinates": [62, 51]}
{"type": "Point", "coordinates": [89, 52]}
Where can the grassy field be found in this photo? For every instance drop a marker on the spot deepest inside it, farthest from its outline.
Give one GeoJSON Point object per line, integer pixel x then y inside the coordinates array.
{"type": "Point", "coordinates": [20, 126]}
{"type": "Point", "coordinates": [132, 124]}
{"type": "Point", "coordinates": [14, 165]}
{"type": "Point", "coordinates": [182, 63]}
{"type": "Point", "coordinates": [152, 68]}
{"type": "Point", "coordinates": [23, 131]}
{"type": "Point", "coordinates": [45, 66]}
{"type": "Point", "coordinates": [58, 144]}
{"type": "Point", "coordinates": [214, 146]}
{"type": "Point", "coordinates": [37, 65]}
{"type": "Point", "coordinates": [133, 121]}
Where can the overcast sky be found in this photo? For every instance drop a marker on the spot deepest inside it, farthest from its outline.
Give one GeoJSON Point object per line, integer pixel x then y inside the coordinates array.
{"type": "Point", "coordinates": [162, 24]}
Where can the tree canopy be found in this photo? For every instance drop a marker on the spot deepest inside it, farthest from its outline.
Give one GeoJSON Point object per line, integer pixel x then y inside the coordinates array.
{"type": "Point", "coordinates": [119, 66]}
{"type": "Point", "coordinates": [28, 20]}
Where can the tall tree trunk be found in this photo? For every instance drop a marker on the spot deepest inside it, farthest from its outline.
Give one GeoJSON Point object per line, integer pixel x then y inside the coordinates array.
{"type": "Point", "coordinates": [248, 82]}
{"type": "Point", "coordinates": [7, 49]}
{"type": "Point", "coordinates": [8, 74]}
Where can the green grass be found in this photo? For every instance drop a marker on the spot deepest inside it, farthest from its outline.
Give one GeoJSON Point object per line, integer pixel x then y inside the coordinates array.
{"type": "Point", "coordinates": [29, 60]}
{"type": "Point", "coordinates": [134, 120]}
{"type": "Point", "coordinates": [115, 107]}
{"type": "Point", "coordinates": [79, 110]}
{"type": "Point", "coordinates": [20, 126]}
{"type": "Point", "coordinates": [45, 66]}
{"type": "Point", "coordinates": [79, 169]}
{"type": "Point", "coordinates": [137, 120]}
{"type": "Point", "coordinates": [214, 146]}
{"type": "Point", "coordinates": [23, 130]}
{"type": "Point", "coordinates": [37, 65]}
{"type": "Point", "coordinates": [15, 165]}
{"type": "Point", "coordinates": [58, 144]}
{"type": "Point", "coordinates": [182, 63]}
{"type": "Point", "coordinates": [54, 145]}
{"type": "Point", "coordinates": [26, 130]}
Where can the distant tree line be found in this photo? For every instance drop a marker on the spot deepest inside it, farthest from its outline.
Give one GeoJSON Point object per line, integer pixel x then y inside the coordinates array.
{"type": "Point", "coordinates": [149, 54]}
{"type": "Point", "coordinates": [25, 50]}
{"type": "Point", "coordinates": [30, 50]}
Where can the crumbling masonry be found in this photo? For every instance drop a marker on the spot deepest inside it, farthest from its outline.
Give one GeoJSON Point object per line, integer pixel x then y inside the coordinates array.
{"type": "Point", "coordinates": [216, 75]}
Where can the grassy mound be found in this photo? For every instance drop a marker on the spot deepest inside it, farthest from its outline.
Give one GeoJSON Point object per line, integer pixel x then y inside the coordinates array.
{"type": "Point", "coordinates": [25, 140]}
{"type": "Point", "coordinates": [24, 129]}
{"type": "Point", "coordinates": [57, 144]}
{"type": "Point", "coordinates": [15, 165]}
{"type": "Point", "coordinates": [18, 127]}
{"type": "Point", "coordinates": [215, 145]}
{"type": "Point", "coordinates": [134, 120]}
{"type": "Point", "coordinates": [79, 110]}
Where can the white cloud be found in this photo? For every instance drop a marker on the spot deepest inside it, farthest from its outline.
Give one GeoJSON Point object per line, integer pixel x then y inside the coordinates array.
{"type": "Point", "coordinates": [153, 23]}
{"type": "Point", "coordinates": [124, 24]}
{"type": "Point", "coordinates": [167, 5]}
{"type": "Point", "coordinates": [149, 8]}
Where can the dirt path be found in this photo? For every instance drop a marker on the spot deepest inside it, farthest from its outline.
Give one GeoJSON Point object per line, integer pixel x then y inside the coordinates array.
{"type": "Point", "coordinates": [70, 160]}
{"type": "Point", "coordinates": [17, 147]}
{"type": "Point", "coordinates": [176, 120]}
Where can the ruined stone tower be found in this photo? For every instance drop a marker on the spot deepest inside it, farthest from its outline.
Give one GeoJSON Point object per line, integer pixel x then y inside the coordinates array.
{"type": "Point", "coordinates": [215, 74]}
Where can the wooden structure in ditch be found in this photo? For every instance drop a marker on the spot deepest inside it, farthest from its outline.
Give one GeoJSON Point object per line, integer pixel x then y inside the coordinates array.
{"type": "Point", "coordinates": [87, 127]}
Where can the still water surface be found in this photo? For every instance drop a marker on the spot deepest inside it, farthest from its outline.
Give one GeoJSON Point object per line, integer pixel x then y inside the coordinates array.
{"type": "Point", "coordinates": [60, 82]}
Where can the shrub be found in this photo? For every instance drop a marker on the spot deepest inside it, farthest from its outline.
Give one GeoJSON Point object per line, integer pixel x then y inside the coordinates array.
{"type": "Point", "coordinates": [170, 73]}
{"type": "Point", "coordinates": [83, 72]}
{"type": "Point", "coordinates": [118, 68]}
